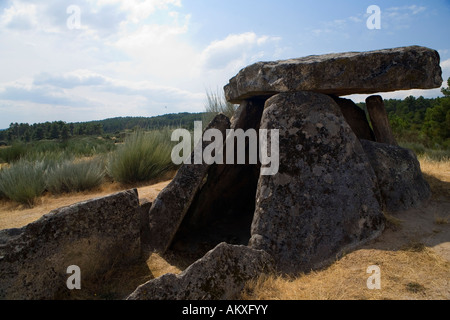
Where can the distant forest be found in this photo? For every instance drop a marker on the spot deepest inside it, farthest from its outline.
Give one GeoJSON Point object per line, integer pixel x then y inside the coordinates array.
{"type": "Point", "coordinates": [414, 120]}
{"type": "Point", "coordinates": [420, 120]}
{"type": "Point", "coordinates": [62, 130]}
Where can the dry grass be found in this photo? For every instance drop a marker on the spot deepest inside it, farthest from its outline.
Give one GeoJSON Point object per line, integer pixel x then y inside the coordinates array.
{"type": "Point", "coordinates": [438, 169]}
{"type": "Point", "coordinates": [437, 174]}
{"type": "Point", "coordinates": [347, 279]}
{"type": "Point", "coordinates": [413, 256]}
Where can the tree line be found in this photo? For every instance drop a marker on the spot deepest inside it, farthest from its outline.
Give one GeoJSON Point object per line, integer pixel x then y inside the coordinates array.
{"type": "Point", "coordinates": [62, 130]}
{"type": "Point", "coordinates": [421, 120]}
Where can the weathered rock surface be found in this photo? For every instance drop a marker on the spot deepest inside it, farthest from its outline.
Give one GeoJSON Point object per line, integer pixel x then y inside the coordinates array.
{"type": "Point", "coordinates": [170, 207]}
{"type": "Point", "coordinates": [356, 118]}
{"type": "Point", "coordinates": [380, 121]}
{"type": "Point", "coordinates": [340, 74]}
{"type": "Point", "coordinates": [220, 275]}
{"type": "Point", "coordinates": [400, 178]}
{"type": "Point", "coordinates": [222, 210]}
{"type": "Point", "coordinates": [324, 198]}
{"type": "Point", "coordinates": [92, 235]}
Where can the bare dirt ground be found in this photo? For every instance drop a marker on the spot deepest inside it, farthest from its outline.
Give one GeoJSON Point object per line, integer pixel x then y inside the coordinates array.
{"type": "Point", "coordinates": [413, 253]}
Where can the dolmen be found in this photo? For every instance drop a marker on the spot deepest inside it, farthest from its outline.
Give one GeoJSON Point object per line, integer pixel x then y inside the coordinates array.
{"type": "Point", "coordinates": [339, 171]}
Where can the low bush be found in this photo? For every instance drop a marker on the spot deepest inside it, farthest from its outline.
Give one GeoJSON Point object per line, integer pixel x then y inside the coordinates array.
{"type": "Point", "coordinates": [74, 147]}
{"type": "Point", "coordinates": [23, 181]}
{"type": "Point", "coordinates": [13, 153]}
{"type": "Point", "coordinates": [70, 176]}
{"type": "Point", "coordinates": [143, 156]}
{"type": "Point", "coordinates": [88, 146]}
{"type": "Point", "coordinates": [422, 151]}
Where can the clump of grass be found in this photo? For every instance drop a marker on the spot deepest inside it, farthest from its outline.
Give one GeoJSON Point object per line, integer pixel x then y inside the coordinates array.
{"type": "Point", "coordinates": [23, 181]}
{"type": "Point", "coordinates": [88, 146]}
{"type": "Point", "coordinates": [14, 152]}
{"type": "Point", "coordinates": [414, 246]}
{"type": "Point", "coordinates": [420, 150]}
{"type": "Point", "coordinates": [415, 287]}
{"type": "Point", "coordinates": [441, 220]}
{"type": "Point", "coordinates": [215, 104]}
{"type": "Point", "coordinates": [143, 156]}
{"type": "Point", "coordinates": [392, 222]}
{"type": "Point", "coordinates": [74, 147]}
{"type": "Point", "coordinates": [70, 176]}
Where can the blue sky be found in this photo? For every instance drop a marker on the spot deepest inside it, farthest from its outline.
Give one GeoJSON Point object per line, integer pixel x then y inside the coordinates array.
{"type": "Point", "coordinates": [145, 58]}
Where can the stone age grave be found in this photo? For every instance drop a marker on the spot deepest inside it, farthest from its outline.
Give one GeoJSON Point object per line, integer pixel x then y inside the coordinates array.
{"type": "Point", "coordinates": [337, 175]}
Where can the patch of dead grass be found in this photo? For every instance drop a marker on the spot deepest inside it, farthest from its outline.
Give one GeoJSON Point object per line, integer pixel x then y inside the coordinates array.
{"type": "Point", "coordinates": [409, 270]}
{"type": "Point", "coordinates": [347, 279]}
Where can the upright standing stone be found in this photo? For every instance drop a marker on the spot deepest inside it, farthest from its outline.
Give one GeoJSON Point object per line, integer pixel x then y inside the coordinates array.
{"type": "Point", "coordinates": [356, 118]}
{"type": "Point", "coordinates": [223, 208]}
{"type": "Point", "coordinates": [400, 179]}
{"type": "Point", "coordinates": [324, 198]}
{"type": "Point", "coordinates": [380, 122]}
{"type": "Point", "coordinates": [170, 207]}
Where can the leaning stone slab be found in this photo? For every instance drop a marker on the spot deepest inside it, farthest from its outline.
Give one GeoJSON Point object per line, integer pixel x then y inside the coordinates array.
{"type": "Point", "coordinates": [380, 121]}
{"type": "Point", "coordinates": [92, 235]}
{"type": "Point", "coordinates": [171, 205]}
{"type": "Point", "coordinates": [220, 275]}
{"type": "Point", "coordinates": [356, 118]}
{"type": "Point", "coordinates": [324, 198]}
{"type": "Point", "coordinates": [400, 178]}
{"type": "Point", "coordinates": [340, 74]}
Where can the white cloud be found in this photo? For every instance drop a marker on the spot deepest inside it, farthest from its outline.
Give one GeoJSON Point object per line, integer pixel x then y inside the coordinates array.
{"type": "Point", "coordinates": [20, 16]}
{"type": "Point", "coordinates": [235, 49]}
{"type": "Point", "coordinates": [412, 9]}
{"type": "Point", "coordinates": [445, 65]}
{"type": "Point", "coordinates": [129, 58]}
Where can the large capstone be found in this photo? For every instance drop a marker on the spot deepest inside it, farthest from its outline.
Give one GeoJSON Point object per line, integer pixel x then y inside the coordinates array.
{"type": "Point", "coordinates": [340, 74]}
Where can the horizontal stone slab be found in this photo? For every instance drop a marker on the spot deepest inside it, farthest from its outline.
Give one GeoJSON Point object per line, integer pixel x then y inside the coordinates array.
{"type": "Point", "coordinates": [340, 74]}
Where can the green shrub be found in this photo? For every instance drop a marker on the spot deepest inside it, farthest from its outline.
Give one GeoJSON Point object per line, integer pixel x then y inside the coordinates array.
{"type": "Point", "coordinates": [142, 157]}
{"type": "Point", "coordinates": [14, 152]}
{"type": "Point", "coordinates": [87, 146]}
{"type": "Point", "coordinates": [418, 148]}
{"type": "Point", "coordinates": [68, 149]}
{"type": "Point", "coordinates": [70, 176]}
{"type": "Point", "coordinates": [23, 181]}
{"type": "Point", "coordinates": [437, 155]}
{"type": "Point", "coordinates": [422, 151]}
